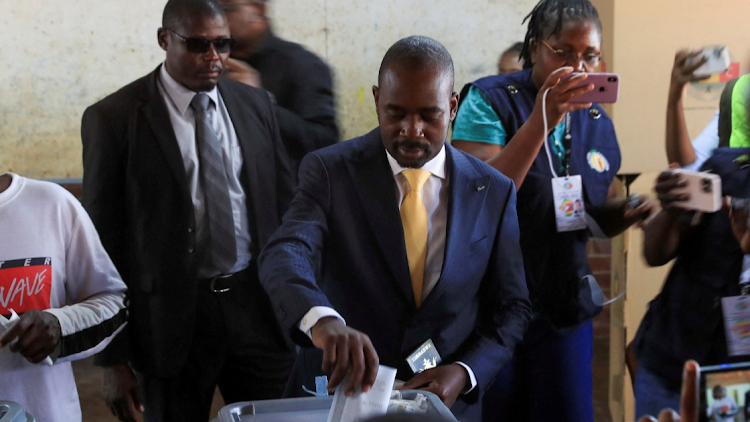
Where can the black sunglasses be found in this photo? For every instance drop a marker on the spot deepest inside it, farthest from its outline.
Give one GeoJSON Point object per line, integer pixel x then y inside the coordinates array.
{"type": "Point", "coordinates": [202, 45]}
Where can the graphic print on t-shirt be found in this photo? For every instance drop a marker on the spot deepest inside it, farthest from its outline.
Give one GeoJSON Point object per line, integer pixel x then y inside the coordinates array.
{"type": "Point", "coordinates": [25, 284]}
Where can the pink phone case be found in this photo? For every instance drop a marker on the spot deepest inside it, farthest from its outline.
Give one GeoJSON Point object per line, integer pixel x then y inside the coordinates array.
{"type": "Point", "coordinates": [606, 88]}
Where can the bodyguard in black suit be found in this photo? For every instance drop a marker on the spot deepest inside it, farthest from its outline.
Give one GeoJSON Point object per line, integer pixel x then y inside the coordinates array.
{"type": "Point", "coordinates": [184, 197]}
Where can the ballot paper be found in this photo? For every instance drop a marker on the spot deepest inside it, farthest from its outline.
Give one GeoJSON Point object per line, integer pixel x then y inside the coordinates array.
{"type": "Point", "coordinates": [363, 405]}
{"type": "Point", "coordinates": [6, 324]}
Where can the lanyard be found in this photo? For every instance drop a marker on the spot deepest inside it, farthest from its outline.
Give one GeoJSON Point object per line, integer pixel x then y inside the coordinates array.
{"type": "Point", "coordinates": [567, 145]}
{"type": "Point", "coordinates": [563, 147]}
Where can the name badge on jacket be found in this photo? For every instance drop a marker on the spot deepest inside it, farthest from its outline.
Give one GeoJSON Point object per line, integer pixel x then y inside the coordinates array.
{"type": "Point", "coordinates": [425, 357]}
{"type": "Point", "coordinates": [736, 310]}
{"type": "Point", "coordinates": [567, 198]}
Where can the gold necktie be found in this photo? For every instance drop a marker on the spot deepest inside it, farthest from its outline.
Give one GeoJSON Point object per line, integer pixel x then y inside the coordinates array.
{"type": "Point", "coordinates": [414, 219]}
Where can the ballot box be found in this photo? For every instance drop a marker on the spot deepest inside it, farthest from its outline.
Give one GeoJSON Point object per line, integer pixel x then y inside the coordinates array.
{"type": "Point", "coordinates": [309, 409]}
{"type": "Point", "coordinates": [13, 412]}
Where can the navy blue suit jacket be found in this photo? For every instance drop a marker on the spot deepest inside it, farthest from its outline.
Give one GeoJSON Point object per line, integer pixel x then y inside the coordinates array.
{"type": "Point", "coordinates": [346, 208]}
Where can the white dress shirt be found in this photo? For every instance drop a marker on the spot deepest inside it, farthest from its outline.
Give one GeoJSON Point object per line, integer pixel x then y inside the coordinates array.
{"type": "Point", "coordinates": [177, 99]}
{"type": "Point", "coordinates": [435, 197]}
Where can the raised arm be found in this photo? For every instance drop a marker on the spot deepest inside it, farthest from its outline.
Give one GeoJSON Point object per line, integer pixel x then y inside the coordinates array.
{"type": "Point", "coordinates": [679, 148]}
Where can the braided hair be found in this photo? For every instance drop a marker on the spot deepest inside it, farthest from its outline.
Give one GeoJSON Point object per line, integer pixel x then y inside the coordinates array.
{"type": "Point", "coordinates": [548, 17]}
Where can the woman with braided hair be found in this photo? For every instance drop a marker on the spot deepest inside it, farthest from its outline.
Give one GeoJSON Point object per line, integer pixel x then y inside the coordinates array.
{"type": "Point", "coordinates": [556, 151]}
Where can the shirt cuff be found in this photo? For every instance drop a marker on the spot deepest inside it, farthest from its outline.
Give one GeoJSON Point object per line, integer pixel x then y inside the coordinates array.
{"type": "Point", "coordinates": [315, 314]}
{"type": "Point", "coordinates": [472, 378]}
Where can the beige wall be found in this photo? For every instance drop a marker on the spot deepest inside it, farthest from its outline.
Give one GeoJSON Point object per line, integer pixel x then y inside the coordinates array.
{"type": "Point", "coordinates": [60, 56]}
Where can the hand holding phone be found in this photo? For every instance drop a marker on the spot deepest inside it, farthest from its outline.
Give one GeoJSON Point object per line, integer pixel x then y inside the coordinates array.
{"type": "Point", "coordinates": [606, 88]}
{"type": "Point", "coordinates": [716, 61]}
{"type": "Point", "coordinates": [703, 189]}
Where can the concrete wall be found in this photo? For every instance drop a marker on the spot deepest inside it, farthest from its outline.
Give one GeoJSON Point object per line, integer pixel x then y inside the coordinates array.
{"type": "Point", "coordinates": [60, 56]}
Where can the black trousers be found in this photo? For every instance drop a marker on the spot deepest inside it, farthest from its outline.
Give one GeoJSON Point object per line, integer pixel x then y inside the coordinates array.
{"type": "Point", "coordinates": [237, 345]}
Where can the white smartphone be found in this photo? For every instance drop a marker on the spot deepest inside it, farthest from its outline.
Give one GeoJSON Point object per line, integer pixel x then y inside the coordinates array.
{"type": "Point", "coordinates": [704, 190]}
{"type": "Point", "coordinates": [717, 60]}
{"type": "Point", "coordinates": [606, 88]}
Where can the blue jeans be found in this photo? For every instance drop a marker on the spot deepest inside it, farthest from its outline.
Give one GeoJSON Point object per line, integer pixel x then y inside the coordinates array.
{"type": "Point", "coordinates": [652, 394]}
{"type": "Point", "coordinates": [548, 379]}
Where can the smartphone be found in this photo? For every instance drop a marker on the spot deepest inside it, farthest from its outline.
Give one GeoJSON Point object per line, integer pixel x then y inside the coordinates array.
{"type": "Point", "coordinates": [704, 190]}
{"type": "Point", "coordinates": [606, 88]}
{"type": "Point", "coordinates": [724, 392]}
{"type": "Point", "coordinates": [717, 61]}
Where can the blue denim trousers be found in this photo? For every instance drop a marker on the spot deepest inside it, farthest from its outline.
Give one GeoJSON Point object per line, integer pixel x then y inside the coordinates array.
{"type": "Point", "coordinates": [652, 394]}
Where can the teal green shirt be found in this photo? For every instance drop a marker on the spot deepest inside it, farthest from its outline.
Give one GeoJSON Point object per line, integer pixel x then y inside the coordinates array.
{"type": "Point", "coordinates": [476, 121]}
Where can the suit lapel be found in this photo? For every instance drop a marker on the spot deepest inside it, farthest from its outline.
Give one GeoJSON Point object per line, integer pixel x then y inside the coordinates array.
{"type": "Point", "coordinates": [376, 189]}
{"type": "Point", "coordinates": [157, 116]}
{"type": "Point", "coordinates": [468, 191]}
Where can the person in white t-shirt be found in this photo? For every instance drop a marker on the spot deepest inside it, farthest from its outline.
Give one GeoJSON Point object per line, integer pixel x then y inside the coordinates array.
{"type": "Point", "coordinates": [723, 408]}
{"type": "Point", "coordinates": [56, 275]}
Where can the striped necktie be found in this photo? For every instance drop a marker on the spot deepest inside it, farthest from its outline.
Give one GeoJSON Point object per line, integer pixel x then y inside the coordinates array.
{"type": "Point", "coordinates": [213, 177]}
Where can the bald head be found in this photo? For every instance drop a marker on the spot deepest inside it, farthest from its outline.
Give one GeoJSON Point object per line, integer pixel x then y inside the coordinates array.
{"type": "Point", "coordinates": [417, 53]}
{"type": "Point", "coordinates": [178, 13]}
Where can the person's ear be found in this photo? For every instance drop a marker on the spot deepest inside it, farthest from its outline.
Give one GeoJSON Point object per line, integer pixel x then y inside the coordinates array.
{"type": "Point", "coordinates": [162, 36]}
{"type": "Point", "coordinates": [376, 95]}
{"type": "Point", "coordinates": [454, 104]}
{"type": "Point", "coordinates": [533, 51]}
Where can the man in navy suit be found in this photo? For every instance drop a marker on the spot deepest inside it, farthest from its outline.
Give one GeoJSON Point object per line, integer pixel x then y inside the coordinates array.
{"type": "Point", "coordinates": [366, 306]}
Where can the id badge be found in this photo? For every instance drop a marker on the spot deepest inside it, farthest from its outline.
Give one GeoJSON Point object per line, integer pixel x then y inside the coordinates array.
{"type": "Point", "coordinates": [567, 197]}
{"type": "Point", "coordinates": [736, 310]}
{"type": "Point", "coordinates": [425, 357]}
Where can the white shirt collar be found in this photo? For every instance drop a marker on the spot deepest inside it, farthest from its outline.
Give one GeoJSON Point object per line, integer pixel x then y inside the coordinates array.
{"type": "Point", "coordinates": [436, 166]}
{"type": "Point", "coordinates": [180, 95]}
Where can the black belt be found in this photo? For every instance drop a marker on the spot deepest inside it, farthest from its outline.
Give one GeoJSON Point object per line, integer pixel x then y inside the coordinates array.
{"type": "Point", "coordinates": [225, 282]}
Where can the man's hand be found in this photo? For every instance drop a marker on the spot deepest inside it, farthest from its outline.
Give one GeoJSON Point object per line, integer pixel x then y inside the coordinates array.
{"type": "Point", "coordinates": [243, 72]}
{"type": "Point", "coordinates": [666, 183]}
{"type": "Point", "coordinates": [121, 393]}
{"type": "Point", "coordinates": [345, 350]}
{"type": "Point", "coordinates": [689, 398]}
{"type": "Point", "coordinates": [38, 334]}
{"type": "Point", "coordinates": [446, 382]}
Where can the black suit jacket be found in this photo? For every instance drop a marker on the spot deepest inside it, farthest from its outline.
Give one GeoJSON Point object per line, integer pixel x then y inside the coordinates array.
{"type": "Point", "coordinates": [303, 90]}
{"type": "Point", "coordinates": [135, 189]}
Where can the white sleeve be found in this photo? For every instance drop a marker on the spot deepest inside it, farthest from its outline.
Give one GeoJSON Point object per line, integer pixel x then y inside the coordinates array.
{"type": "Point", "coordinates": [705, 143]}
{"type": "Point", "coordinates": [315, 314]}
{"type": "Point", "coordinates": [95, 294]}
{"type": "Point", "coordinates": [472, 378]}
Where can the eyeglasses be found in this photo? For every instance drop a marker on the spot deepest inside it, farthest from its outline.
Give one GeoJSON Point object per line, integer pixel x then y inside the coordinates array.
{"type": "Point", "coordinates": [201, 45]}
{"type": "Point", "coordinates": [571, 57]}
